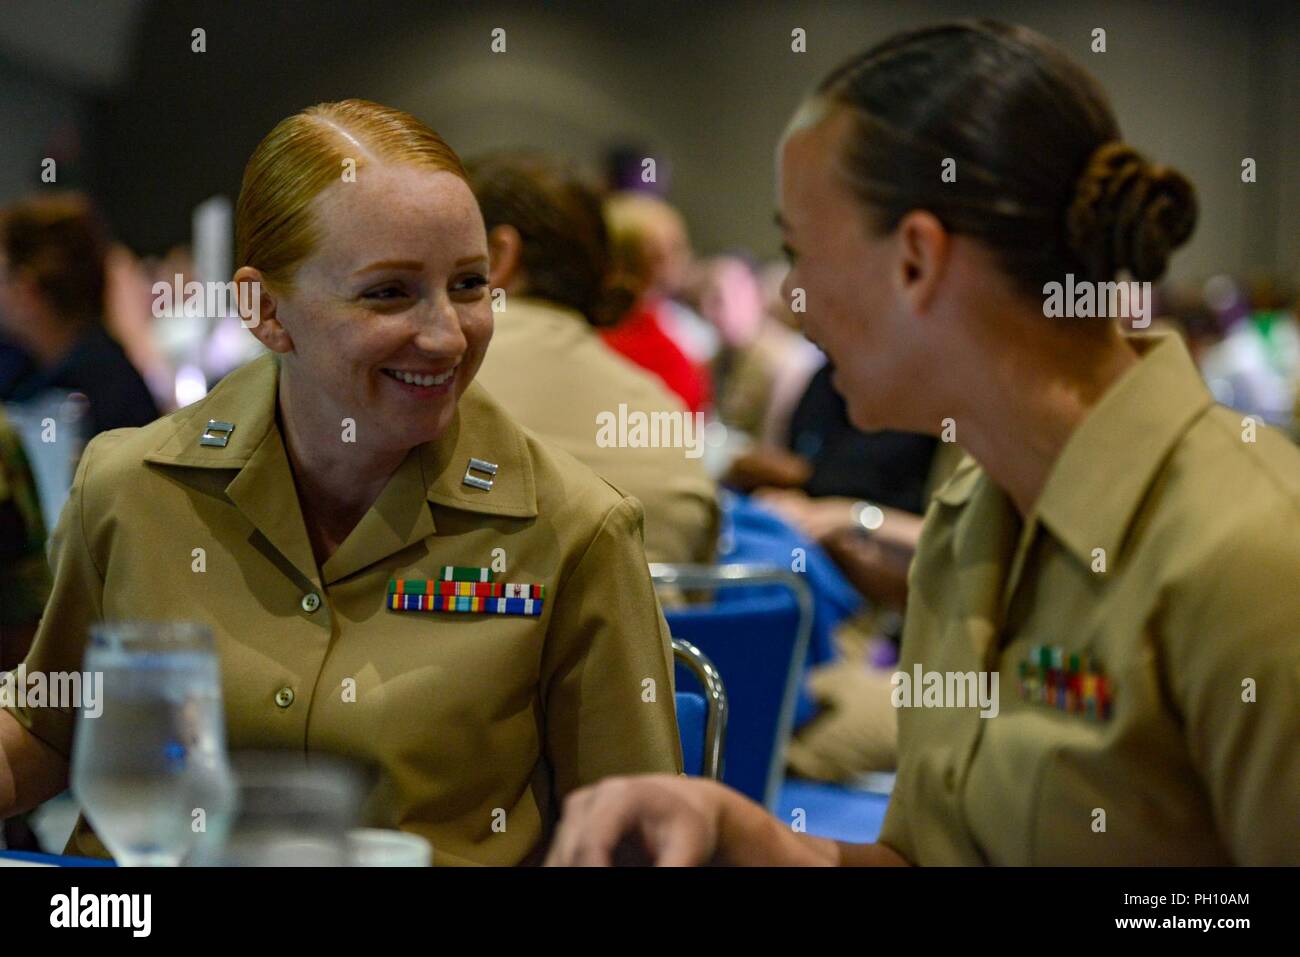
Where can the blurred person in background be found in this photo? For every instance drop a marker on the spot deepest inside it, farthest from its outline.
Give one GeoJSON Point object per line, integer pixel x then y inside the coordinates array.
{"type": "Point", "coordinates": [53, 277]}
{"type": "Point", "coordinates": [547, 366]}
{"type": "Point", "coordinates": [652, 260]}
{"type": "Point", "coordinates": [129, 318]}
{"type": "Point", "coordinates": [1255, 367]}
{"type": "Point", "coordinates": [763, 364]}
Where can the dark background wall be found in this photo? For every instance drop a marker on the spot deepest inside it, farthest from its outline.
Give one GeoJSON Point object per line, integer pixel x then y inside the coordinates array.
{"type": "Point", "coordinates": [708, 85]}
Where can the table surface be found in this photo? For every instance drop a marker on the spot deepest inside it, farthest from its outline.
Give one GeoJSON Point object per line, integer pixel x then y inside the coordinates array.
{"type": "Point", "coordinates": [830, 810]}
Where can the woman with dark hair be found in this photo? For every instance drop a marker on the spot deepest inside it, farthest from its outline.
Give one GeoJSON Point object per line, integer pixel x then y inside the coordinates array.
{"type": "Point", "coordinates": [1121, 552]}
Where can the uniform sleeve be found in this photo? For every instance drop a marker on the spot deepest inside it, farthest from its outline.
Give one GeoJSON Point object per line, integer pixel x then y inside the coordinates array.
{"type": "Point", "coordinates": [1234, 663]}
{"type": "Point", "coordinates": [607, 678]}
{"type": "Point", "coordinates": [894, 831]}
{"type": "Point", "coordinates": [76, 601]}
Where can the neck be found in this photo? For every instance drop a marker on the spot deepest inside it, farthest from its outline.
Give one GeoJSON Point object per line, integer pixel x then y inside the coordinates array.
{"type": "Point", "coordinates": [337, 481]}
{"type": "Point", "coordinates": [1033, 389]}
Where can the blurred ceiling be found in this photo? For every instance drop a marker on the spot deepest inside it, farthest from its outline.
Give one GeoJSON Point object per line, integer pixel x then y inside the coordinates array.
{"type": "Point", "coordinates": [83, 44]}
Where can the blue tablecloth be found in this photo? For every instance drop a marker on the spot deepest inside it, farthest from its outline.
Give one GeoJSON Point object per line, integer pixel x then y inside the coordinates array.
{"type": "Point", "coordinates": [54, 860]}
{"type": "Point", "coordinates": [831, 810]}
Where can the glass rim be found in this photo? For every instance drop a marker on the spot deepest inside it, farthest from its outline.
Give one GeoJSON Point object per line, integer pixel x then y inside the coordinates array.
{"type": "Point", "coordinates": [152, 635]}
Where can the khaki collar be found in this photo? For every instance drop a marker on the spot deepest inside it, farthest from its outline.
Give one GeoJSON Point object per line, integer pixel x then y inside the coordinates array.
{"type": "Point", "coordinates": [1110, 461]}
{"type": "Point", "coordinates": [263, 488]}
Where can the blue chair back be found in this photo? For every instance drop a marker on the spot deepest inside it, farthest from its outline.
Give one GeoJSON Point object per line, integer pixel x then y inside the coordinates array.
{"type": "Point", "coordinates": [757, 640]}
{"type": "Point", "coordinates": [691, 715]}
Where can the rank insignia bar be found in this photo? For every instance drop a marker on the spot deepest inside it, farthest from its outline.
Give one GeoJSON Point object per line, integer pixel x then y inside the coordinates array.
{"type": "Point", "coordinates": [467, 604]}
{"type": "Point", "coordinates": [429, 586]}
{"type": "Point", "coordinates": [1067, 682]}
{"type": "Point", "coordinates": [462, 589]}
{"type": "Point", "coordinates": [486, 474]}
{"type": "Point", "coordinates": [463, 573]}
{"type": "Point", "coordinates": [217, 434]}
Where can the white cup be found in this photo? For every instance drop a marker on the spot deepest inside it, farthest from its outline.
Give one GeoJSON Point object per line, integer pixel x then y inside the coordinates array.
{"type": "Point", "coordinates": [375, 847]}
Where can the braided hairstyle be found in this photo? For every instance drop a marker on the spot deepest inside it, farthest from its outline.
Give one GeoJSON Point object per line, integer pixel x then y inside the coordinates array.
{"type": "Point", "coordinates": [1042, 175]}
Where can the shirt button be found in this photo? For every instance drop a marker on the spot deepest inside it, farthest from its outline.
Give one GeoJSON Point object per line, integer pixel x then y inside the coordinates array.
{"type": "Point", "coordinates": [284, 697]}
{"type": "Point", "coordinates": [310, 602]}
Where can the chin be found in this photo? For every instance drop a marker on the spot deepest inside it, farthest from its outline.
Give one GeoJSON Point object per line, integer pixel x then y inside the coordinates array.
{"type": "Point", "coordinates": [864, 423]}
{"type": "Point", "coordinates": [431, 434]}
{"type": "Point", "coordinates": [868, 414]}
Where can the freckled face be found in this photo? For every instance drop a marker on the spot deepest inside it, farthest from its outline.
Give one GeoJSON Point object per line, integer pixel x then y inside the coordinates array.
{"type": "Point", "coordinates": [852, 311]}
{"type": "Point", "coordinates": [391, 316]}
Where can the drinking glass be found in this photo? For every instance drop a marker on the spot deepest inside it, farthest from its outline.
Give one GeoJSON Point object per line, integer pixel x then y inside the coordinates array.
{"type": "Point", "coordinates": [150, 771]}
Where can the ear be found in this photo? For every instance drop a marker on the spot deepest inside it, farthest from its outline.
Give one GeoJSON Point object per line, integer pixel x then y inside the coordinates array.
{"type": "Point", "coordinates": [924, 247]}
{"type": "Point", "coordinates": [258, 310]}
{"type": "Point", "coordinates": [505, 252]}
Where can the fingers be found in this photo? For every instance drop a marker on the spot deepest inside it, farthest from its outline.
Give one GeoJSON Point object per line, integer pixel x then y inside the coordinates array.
{"type": "Point", "coordinates": [678, 845]}
{"type": "Point", "coordinates": [652, 808]}
{"type": "Point", "coordinates": [564, 844]}
{"type": "Point", "coordinates": [595, 819]}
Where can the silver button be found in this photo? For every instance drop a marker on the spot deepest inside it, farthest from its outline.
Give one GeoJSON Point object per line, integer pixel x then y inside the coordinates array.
{"type": "Point", "coordinates": [310, 602]}
{"type": "Point", "coordinates": [284, 697]}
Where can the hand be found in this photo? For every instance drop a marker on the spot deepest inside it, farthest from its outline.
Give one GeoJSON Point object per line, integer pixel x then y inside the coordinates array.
{"type": "Point", "coordinates": [817, 518]}
{"type": "Point", "coordinates": [675, 820]}
{"type": "Point", "coordinates": [767, 465]}
{"type": "Point", "coordinates": [669, 820]}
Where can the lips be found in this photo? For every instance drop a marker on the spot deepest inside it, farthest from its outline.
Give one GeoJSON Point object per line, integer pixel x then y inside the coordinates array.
{"type": "Point", "coordinates": [425, 379]}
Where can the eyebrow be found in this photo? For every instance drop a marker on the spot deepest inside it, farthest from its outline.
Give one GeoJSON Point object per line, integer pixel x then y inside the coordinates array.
{"type": "Point", "coordinates": [407, 264]}
{"type": "Point", "coordinates": [413, 265]}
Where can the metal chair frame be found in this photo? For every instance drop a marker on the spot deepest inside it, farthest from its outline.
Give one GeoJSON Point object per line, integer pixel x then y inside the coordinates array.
{"type": "Point", "coordinates": [715, 703]}
{"type": "Point", "coordinates": [689, 577]}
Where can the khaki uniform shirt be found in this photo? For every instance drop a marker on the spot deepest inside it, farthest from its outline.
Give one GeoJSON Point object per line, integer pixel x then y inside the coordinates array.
{"type": "Point", "coordinates": [554, 375]}
{"type": "Point", "coordinates": [461, 713]}
{"type": "Point", "coordinates": [1195, 620]}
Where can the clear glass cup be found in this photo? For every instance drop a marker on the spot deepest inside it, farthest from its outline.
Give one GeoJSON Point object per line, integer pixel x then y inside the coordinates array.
{"type": "Point", "coordinates": [150, 771]}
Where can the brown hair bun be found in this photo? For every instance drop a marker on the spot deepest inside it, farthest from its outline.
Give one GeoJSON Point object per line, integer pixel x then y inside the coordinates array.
{"type": "Point", "coordinates": [1128, 214]}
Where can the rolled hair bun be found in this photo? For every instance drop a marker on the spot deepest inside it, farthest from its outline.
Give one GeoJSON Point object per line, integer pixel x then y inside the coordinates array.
{"type": "Point", "coordinates": [1128, 214]}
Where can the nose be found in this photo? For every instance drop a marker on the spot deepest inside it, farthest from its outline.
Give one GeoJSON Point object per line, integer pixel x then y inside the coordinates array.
{"type": "Point", "coordinates": [438, 329]}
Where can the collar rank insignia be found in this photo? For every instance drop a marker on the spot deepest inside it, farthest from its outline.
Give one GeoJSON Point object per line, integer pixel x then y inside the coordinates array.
{"type": "Point", "coordinates": [488, 469]}
{"type": "Point", "coordinates": [217, 434]}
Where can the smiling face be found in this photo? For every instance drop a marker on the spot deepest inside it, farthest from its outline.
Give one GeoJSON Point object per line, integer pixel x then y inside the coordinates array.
{"type": "Point", "coordinates": [390, 317]}
{"type": "Point", "coordinates": [855, 308]}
